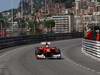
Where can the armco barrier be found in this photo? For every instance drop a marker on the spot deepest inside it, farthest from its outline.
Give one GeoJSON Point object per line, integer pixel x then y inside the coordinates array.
{"type": "Point", "coordinates": [20, 40]}
{"type": "Point", "coordinates": [91, 47]}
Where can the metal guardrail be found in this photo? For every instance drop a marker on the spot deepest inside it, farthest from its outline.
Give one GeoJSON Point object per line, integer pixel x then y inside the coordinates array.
{"type": "Point", "coordinates": [91, 47]}
{"type": "Point", "coordinates": [20, 40]}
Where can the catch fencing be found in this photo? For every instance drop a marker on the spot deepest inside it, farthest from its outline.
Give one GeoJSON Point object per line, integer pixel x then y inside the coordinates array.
{"type": "Point", "coordinates": [20, 40]}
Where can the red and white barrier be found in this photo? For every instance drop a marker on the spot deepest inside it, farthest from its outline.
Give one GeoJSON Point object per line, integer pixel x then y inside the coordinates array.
{"type": "Point", "coordinates": [91, 47]}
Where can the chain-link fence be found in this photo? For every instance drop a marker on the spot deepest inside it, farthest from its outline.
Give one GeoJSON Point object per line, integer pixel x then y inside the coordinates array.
{"type": "Point", "coordinates": [20, 40]}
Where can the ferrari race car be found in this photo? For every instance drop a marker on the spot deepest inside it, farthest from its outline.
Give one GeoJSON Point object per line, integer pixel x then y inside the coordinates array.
{"type": "Point", "coordinates": [45, 51]}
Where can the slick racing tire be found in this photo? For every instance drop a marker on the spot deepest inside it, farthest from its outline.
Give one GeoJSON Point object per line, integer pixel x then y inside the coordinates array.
{"type": "Point", "coordinates": [58, 51]}
{"type": "Point", "coordinates": [37, 52]}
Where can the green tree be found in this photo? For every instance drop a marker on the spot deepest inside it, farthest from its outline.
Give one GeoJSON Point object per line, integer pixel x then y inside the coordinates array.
{"type": "Point", "coordinates": [49, 24]}
{"type": "Point", "coordinates": [32, 26]}
{"type": "Point", "coordinates": [3, 20]}
{"type": "Point", "coordinates": [22, 25]}
{"type": "Point", "coordinates": [98, 0]}
{"type": "Point", "coordinates": [3, 23]}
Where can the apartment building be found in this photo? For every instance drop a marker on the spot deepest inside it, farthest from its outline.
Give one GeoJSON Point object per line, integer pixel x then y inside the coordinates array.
{"type": "Point", "coordinates": [63, 24]}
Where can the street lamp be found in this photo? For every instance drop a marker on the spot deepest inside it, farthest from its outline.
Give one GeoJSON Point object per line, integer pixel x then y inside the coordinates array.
{"type": "Point", "coordinates": [31, 7]}
{"type": "Point", "coordinates": [12, 14]}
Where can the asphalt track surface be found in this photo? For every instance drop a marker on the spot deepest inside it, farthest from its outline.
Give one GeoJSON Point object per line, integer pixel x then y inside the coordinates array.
{"type": "Point", "coordinates": [21, 61]}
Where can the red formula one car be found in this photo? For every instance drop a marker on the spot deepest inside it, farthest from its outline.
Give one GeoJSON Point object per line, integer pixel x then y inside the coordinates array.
{"type": "Point", "coordinates": [46, 51]}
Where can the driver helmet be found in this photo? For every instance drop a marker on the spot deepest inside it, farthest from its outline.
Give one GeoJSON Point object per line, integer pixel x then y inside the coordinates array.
{"type": "Point", "coordinates": [47, 45]}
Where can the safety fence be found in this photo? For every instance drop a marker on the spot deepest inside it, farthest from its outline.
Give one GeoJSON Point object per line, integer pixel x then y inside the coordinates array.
{"type": "Point", "coordinates": [91, 47]}
{"type": "Point", "coordinates": [20, 40]}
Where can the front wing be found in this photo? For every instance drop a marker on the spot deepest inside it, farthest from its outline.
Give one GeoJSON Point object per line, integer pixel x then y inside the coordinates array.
{"type": "Point", "coordinates": [56, 56]}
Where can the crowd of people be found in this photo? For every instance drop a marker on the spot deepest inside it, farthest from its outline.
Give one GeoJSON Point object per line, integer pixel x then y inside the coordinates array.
{"type": "Point", "coordinates": [93, 33]}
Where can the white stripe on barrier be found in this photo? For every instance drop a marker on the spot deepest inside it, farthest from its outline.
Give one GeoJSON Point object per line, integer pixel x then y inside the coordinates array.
{"type": "Point", "coordinates": [91, 47]}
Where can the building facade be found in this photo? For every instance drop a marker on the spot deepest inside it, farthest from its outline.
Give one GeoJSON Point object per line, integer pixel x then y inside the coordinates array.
{"type": "Point", "coordinates": [63, 24]}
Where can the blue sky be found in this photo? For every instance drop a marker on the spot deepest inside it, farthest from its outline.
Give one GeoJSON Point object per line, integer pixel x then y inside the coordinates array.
{"type": "Point", "coordinates": [8, 4]}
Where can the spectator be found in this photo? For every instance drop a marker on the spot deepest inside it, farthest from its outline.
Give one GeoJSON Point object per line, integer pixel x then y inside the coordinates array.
{"type": "Point", "coordinates": [89, 34]}
{"type": "Point", "coordinates": [98, 35]}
